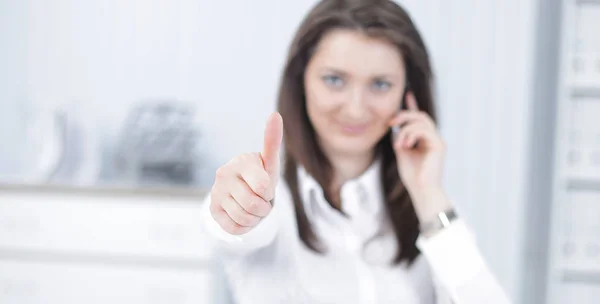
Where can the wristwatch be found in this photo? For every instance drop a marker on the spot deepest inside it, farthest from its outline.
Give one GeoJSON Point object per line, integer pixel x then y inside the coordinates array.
{"type": "Point", "coordinates": [441, 221]}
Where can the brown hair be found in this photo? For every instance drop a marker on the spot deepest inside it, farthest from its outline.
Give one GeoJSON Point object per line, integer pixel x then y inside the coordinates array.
{"type": "Point", "coordinates": [382, 19]}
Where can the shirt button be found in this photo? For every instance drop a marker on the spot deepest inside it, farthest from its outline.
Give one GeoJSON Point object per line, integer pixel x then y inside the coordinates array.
{"type": "Point", "coordinates": [362, 194]}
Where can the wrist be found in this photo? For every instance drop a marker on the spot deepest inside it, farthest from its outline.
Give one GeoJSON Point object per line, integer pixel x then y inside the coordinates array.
{"type": "Point", "coordinates": [429, 202]}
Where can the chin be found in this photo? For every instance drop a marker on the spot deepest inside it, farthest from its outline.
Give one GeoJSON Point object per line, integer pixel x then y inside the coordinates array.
{"type": "Point", "coordinates": [351, 145]}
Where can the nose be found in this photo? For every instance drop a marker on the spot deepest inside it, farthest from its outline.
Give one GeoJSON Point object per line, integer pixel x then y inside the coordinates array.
{"type": "Point", "coordinates": [357, 105]}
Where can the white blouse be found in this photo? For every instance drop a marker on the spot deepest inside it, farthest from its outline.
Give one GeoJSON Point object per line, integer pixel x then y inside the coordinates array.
{"type": "Point", "coordinates": [270, 264]}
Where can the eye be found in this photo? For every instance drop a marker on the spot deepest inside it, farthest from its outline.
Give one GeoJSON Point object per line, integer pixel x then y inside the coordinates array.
{"type": "Point", "coordinates": [333, 81]}
{"type": "Point", "coordinates": [381, 85]}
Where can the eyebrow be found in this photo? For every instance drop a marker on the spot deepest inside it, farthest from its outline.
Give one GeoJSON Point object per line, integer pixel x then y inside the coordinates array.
{"type": "Point", "coordinates": [334, 70]}
{"type": "Point", "coordinates": [339, 71]}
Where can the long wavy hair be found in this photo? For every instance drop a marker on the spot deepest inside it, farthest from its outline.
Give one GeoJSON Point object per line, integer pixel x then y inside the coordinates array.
{"type": "Point", "coordinates": [381, 19]}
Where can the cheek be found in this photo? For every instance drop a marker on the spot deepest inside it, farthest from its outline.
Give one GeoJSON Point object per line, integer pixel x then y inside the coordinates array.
{"type": "Point", "coordinates": [319, 113]}
{"type": "Point", "coordinates": [388, 108]}
{"type": "Point", "coordinates": [321, 99]}
{"type": "Point", "coordinates": [320, 105]}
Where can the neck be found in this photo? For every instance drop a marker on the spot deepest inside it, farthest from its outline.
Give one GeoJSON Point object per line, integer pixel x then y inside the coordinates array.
{"type": "Point", "coordinates": [348, 167]}
{"type": "Point", "coordinates": [345, 168]}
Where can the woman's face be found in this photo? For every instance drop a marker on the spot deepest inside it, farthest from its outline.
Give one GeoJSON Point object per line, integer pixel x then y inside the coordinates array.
{"type": "Point", "coordinates": [354, 86]}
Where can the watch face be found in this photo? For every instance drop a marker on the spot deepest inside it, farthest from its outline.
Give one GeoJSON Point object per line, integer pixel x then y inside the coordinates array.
{"type": "Point", "coordinates": [443, 219]}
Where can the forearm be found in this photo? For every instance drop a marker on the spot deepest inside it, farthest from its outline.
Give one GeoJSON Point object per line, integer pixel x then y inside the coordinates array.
{"type": "Point", "coordinates": [459, 267]}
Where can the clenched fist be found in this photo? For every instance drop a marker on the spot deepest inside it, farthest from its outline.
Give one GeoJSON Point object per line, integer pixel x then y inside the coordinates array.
{"type": "Point", "coordinates": [243, 189]}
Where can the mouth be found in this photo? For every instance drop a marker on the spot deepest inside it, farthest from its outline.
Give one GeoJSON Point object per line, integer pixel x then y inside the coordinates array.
{"type": "Point", "coordinates": [354, 129]}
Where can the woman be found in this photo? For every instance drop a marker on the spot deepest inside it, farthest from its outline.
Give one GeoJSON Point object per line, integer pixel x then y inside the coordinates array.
{"type": "Point", "coordinates": [358, 213]}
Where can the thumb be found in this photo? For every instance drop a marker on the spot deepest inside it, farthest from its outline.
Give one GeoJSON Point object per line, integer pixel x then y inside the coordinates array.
{"type": "Point", "coordinates": [272, 144]}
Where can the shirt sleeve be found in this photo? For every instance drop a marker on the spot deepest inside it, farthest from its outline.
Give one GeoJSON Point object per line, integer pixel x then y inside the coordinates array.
{"type": "Point", "coordinates": [259, 237]}
{"type": "Point", "coordinates": [461, 275]}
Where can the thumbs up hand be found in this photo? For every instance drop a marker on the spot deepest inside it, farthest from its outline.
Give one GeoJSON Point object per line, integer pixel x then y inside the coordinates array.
{"type": "Point", "coordinates": [244, 187]}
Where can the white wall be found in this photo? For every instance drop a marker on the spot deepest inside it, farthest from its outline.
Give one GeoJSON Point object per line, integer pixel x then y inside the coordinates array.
{"type": "Point", "coordinates": [483, 52]}
{"type": "Point", "coordinates": [226, 58]}
{"type": "Point", "coordinates": [102, 56]}
{"type": "Point", "coordinates": [12, 77]}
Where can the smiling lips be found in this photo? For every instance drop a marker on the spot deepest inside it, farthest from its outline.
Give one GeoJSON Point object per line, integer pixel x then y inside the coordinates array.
{"type": "Point", "coordinates": [354, 129]}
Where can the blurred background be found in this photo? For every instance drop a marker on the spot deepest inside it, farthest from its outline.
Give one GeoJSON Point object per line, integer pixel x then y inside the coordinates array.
{"type": "Point", "coordinates": [114, 116]}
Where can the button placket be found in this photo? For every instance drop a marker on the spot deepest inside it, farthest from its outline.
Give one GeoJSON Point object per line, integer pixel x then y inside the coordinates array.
{"type": "Point", "coordinates": [362, 195]}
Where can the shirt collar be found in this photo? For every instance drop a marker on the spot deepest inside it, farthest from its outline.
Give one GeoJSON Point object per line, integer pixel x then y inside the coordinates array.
{"type": "Point", "coordinates": [360, 196]}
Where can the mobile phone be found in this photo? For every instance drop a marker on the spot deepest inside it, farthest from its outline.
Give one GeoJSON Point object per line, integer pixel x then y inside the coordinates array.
{"type": "Point", "coordinates": [403, 106]}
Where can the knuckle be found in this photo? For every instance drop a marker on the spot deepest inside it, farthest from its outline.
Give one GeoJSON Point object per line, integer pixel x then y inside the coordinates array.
{"type": "Point", "coordinates": [224, 223]}
{"type": "Point", "coordinates": [230, 226]}
{"type": "Point", "coordinates": [213, 205]}
{"type": "Point", "coordinates": [254, 156]}
{"type": "Point", "coordinates": [238, 160]}
{"type": "Point", "coordinates": [241, 157]}
{"type": "Point", "coordinates": [270, 194]}
{"type": "Point", "coordinates": [247, 220]}
{"type": "Point", "coordinates": [213, 191]}
{"type": "Point", "coordinates": [221, 172]}
{"type": "Point", "coordinates": [240, 230]}
{"type": "Point", "coordinates": [246, 162]}
{"type": "Point", "coordinates": [261, 186]}
{"type": "Point", "coordinates": [247, 157]}
{"type": "Point", "coordinates": [216, 201]}
{"type": "Point", "coordinates": [237, 229]}
{"type": "Point", "coordinates": [255, 206]}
